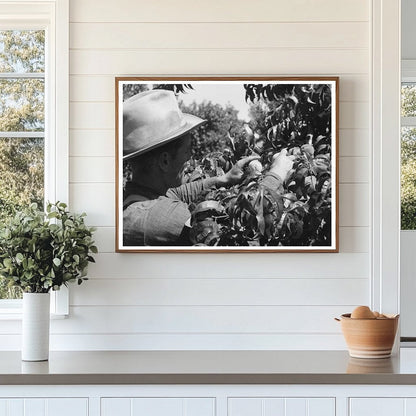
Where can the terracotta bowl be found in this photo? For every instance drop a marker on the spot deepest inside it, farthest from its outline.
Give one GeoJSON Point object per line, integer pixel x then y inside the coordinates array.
{"type": "Point", "coordinates": [369, 338]}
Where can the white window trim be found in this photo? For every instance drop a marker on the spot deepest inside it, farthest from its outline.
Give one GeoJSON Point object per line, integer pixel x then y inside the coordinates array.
{"type": "Point", "coordinates": [408, 74]}
{"type": "Point", "coordinates": [52, 15]}
{"type": "Point", "coordinates": [385, 96]}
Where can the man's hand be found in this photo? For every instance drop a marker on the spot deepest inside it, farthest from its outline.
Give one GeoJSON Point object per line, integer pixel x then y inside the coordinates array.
{"type": "Point", "coordinates": [282, 164]}
{"type": "Point", "coordinates": [236, 173]}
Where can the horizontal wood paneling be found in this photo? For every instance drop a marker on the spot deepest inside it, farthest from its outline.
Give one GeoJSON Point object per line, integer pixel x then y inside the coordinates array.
{"type": "Point", "coordinates": [354, 205]}
{"type": "Point", "coordinates": [218, 35]}
{"type": "Point", "coordinates": [92, 88]}
{"type": "Point", "coordinates": [218, 11]}
{"type": "Point", "coordinates": [92, 116]}
{"type": "Point", "coordinates": [230, 265]}
{"type": "Point", "coordinates": [104, 238]}
{"type": "Point", "coordinates": [219, 62]}
{"type": "Point", "coordinates": [146, 342]}
{"type": "Point", "coordinates": [195, 320]}
{"type": "Point", "coordinates": [354, 115]}
{"type": "Point", "coordinates": [354, 142]}
{"type": "Point", "coordinates": [354, 170]}
{"type": "Point", "coordinates": [352, 239]}
{"type": "Point", "coordinates": [98, 88]}
{"type": "Point", "coordinates": [351, 114]}
{"type": "Point", "coordinates": [94, 143]}
{"type": "Point", "coordinates": [229, 301]}
{"type": "Point", "coordinates": [220, 291]}
{"type": "Point", "coordinates": [201, 319]}
{"type": "Point", "coordinates": [92, 169]}
{"type": "Point", "coordinates": [97, 200]}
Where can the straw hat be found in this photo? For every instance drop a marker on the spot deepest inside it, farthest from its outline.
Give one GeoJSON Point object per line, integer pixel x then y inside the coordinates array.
{"type": "Point", "coordinates": [152, 119]}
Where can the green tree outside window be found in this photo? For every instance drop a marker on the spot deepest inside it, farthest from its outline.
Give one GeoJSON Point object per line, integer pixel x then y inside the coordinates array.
{"type": "Point", "coordinates": [408, 159]}
{"type": "Point", "coordinates": [22, 124]}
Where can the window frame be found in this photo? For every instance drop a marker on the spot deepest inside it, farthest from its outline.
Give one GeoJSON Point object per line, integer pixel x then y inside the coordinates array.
{"type": "Point", "coordinates": [408, 76]}
{"type": "Point", "coordinates": [385, 161]}
{"type": "Point", "coordinates": [53, 17]}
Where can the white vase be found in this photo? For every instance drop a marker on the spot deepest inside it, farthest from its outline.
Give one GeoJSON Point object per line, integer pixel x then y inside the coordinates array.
{"type": "Point", "coordinates": [35, 326]}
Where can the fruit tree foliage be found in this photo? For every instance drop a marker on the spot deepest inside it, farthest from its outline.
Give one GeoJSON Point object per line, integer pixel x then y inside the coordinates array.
{"type": "Point", "coordinates": [292, 117]}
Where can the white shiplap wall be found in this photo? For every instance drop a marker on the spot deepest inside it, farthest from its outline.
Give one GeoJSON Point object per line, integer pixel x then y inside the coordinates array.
{"type": "Point", "coordinates": [181, 301]}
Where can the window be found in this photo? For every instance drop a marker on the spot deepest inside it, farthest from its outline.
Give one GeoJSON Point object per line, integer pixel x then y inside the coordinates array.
{"type": "Point", "coordinates": [22, 124]}
{"type": "Point", "coordinates": [408, 154]}
{"type": "Point", "coordinates": [33, 111]}
{"type": "Point", "coordinates": [408, 202]}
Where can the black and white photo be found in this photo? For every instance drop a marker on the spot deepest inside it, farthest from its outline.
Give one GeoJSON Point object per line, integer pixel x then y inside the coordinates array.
{"type": "Point", "coordinates": [227, 164]}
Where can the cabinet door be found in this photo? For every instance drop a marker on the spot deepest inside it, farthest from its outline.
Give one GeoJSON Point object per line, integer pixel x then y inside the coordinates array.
{"type": "Point", "coordinates": [44, 407]}
{"type": "Point", "coordinates": [270, 406]}
{"type": "Point", "coordinates": [377, 407]}
{"type": "Point", "coordinates": [382, 406]}
{"type": "Point", "coordinates": [147, 406]}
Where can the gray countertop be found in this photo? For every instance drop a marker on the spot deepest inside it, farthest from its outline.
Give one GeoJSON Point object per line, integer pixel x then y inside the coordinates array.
{"type": "Point", "coordinates": [208, 367]}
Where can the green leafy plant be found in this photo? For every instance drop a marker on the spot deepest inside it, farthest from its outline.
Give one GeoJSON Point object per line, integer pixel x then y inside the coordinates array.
{"type": "Point", "coordinates": [42, 251]}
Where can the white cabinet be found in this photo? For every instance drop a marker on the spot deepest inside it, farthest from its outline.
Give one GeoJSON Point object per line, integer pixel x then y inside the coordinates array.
{"type": "Point", "coordinates": [208, 400]}
{"type": "Point", "coordinates": [44, 407]}
{"type": "Point", "coordinates": [271, 406]}
{"type": "Point", "coordinates": [146, 406]}
{"type": "Point", "coordinates": [382, 406]}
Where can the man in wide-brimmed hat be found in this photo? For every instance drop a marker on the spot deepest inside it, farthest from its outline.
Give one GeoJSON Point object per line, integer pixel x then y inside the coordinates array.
{"type": "Point", "coordinates": [157, 143]}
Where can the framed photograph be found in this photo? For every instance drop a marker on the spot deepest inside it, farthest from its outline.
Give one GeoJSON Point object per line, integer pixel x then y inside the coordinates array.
{"type": "Point", "coordinates": [227, 164]}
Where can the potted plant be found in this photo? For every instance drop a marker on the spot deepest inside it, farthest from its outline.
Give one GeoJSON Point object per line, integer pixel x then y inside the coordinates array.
{"type": "Point", "coordinates": [40, 252]}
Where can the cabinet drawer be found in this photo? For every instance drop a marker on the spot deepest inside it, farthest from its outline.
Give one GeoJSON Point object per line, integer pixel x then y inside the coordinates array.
{"type": "Point", "coordinates": [44, 407]}
{"type": "Point", "coordinates": [160, 406]}
{"type": "Point", "coordinates": [376, 406]}
{"type": "Point", "coordinates": [281, 406]}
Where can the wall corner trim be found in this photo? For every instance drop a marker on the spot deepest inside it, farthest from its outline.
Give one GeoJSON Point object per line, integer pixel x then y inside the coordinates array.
{"type": "Point", "coordinates": [385, 98]}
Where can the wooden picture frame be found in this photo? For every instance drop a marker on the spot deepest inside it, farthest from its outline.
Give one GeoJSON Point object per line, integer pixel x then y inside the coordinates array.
{"type": "Point", "coordinates": [288, 124]}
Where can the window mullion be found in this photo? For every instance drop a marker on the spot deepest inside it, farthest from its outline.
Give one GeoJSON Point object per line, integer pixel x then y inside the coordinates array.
{"type": "Point", "coordinates": [408, 121]}
{"type": "Point", "coordinates": [22, 75]}
{"type": "Point", "coordinates": [22, 134]}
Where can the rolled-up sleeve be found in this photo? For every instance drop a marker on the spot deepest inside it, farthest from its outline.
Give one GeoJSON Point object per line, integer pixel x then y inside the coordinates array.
{"type": "Point", "coordinates": [158, 222]}
{"type": "Point", "coordinates": [189, 192]}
